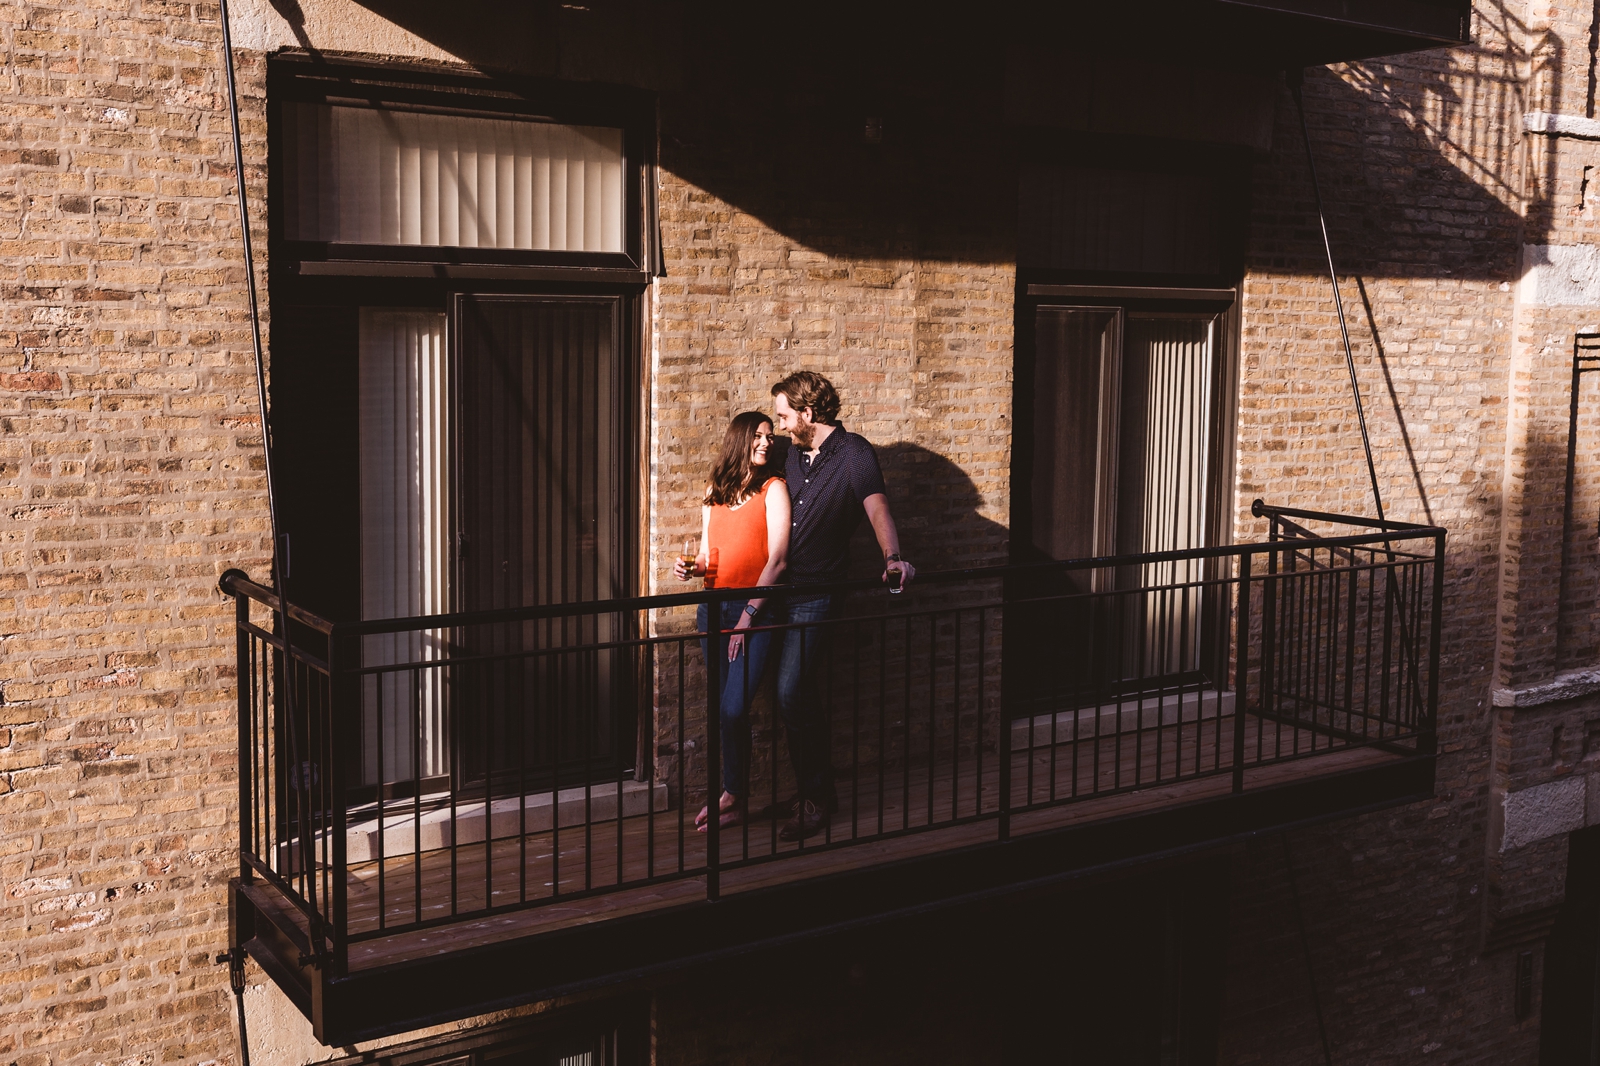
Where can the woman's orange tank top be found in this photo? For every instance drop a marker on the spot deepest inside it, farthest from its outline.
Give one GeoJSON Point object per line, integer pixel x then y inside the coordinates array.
{"type": "Point", "coordinates": [740, 537]}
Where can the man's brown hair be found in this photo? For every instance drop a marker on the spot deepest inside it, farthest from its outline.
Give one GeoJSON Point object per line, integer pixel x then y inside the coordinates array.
{"type": "Point", "coordinates": [807, 388]}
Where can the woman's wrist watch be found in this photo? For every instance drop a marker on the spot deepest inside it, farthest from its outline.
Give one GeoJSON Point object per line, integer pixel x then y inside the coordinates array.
{"type": "Point", "coordinates": [751, 609]}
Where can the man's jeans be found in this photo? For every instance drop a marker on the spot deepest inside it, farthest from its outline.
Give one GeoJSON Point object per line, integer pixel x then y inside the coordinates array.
{"type": "Point", "coordinates": [799, 702]}
{"type": "Point", "coordinates": [740, 680]}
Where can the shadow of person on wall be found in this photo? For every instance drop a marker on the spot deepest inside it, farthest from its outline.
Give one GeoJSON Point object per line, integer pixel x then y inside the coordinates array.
{"type": "Point", "coordinates": [939, 512]}
{"type": "Point", "coordinates": [937, 509]}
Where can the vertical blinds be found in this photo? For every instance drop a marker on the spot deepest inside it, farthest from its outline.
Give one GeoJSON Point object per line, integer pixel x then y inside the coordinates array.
{"type": "Point", "coordinates": [1174, 356]}
{"type": "Point", "coordinates": [1177, 353]}
{"type": "Point", "coordinates": [367, 176]}
{"type": "Point", "coordinates": [405, 557]}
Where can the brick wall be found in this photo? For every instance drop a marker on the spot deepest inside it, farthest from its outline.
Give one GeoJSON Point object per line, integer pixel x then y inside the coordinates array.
{"type": "Point", "coordinates": [129, 478]}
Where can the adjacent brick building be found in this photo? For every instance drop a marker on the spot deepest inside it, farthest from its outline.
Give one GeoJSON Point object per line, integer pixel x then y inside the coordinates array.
{"type": "Point", "coordinates": [873, 200]}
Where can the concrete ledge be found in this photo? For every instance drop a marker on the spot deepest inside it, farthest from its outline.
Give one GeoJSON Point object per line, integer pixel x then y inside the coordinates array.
{"type": "Point", "coordinates": [437, 830]}
{"type": "Point", "coordinates": [1543, 811]}
{"type": "Point", "coordinates": [1133, 713]}
{"type": "Point", "coordinates": [1554, 125]}
{"type": "Point", "coordinates": [1567, 686]}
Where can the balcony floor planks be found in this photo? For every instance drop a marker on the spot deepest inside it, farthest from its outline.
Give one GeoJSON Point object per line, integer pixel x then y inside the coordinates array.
{"type": "Point", "coordinates": [758, 839]}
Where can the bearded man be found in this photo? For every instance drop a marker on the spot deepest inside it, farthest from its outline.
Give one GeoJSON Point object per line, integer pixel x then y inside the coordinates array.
{"type": "Point", "coordinates": [833, 479]}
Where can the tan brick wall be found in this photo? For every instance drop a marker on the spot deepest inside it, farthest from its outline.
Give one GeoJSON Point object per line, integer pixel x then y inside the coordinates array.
{"type": "Point", "coordinates": [129, 478]}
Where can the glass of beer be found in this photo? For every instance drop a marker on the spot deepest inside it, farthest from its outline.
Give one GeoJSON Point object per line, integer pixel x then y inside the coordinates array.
{"type": "Point", "coordinates": [691, 549]}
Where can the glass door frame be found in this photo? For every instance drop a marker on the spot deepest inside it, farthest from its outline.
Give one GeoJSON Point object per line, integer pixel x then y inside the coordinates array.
{"type": "Point", "coordinates": [1022, 661]}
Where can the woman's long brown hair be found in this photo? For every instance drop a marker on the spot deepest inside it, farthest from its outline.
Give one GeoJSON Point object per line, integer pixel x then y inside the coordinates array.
{"type": "Point", "coordinates": [733, 477]}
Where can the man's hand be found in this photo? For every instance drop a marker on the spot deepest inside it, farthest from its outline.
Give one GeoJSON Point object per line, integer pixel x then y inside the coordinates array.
{"type": "Point", "coordinates": [907, 571]}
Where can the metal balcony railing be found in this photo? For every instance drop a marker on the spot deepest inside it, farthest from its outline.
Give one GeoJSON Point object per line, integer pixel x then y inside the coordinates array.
{"type": "Point", "coordinates": [451, 769]}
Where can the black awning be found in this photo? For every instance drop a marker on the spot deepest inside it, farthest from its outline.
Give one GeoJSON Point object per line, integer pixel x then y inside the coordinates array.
{"type": "Point", "coordinates": [1315, 32]}
{"type": "Point", "coordinates": [1258, 34]}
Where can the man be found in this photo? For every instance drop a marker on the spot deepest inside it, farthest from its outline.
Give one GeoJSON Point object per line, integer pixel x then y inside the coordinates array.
{"type": "Point", "coordinates": [833, 479]}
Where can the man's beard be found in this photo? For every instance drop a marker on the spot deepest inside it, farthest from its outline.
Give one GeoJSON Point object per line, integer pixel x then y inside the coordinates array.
{"type": "Point", "coordinates": [804, 434]}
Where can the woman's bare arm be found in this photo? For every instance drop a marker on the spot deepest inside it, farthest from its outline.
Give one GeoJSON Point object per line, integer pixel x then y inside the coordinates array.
{"type": "Point", "coordinates": [777, 544]}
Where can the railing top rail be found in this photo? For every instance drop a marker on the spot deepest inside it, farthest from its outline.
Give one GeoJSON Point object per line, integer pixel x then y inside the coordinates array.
{"type": "Point", "coordinates": [234, 582]}
{"type": "Point", "coordinates": [1262, 509]}
{"type": "Point", "coordinates": [238, 583]}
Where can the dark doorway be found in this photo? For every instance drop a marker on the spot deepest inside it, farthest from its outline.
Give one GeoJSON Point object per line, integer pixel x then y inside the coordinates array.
{"type": "Point", "coordinates": [1122, 449]}
{"type": "Point", "coordinates": [543, 491]}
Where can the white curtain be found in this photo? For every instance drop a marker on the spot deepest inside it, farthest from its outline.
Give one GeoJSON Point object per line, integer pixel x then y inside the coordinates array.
{"type": "Point", "coordinates": [1179, 354]}
{"type": "Point", "coordinates": [368, 176]}
{"type": "Point", "coordinates": [404, 449]}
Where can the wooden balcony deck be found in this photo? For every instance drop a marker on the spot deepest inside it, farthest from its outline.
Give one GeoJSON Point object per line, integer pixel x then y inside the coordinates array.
{"type": "Point", "coordinates": [604, 870]}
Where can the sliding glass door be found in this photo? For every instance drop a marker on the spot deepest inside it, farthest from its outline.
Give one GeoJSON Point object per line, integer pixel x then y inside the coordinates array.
{"type": "Point", "coordinates": [1123, 457]}
{"type": "Point", "coordinates": [542, 490]}
{"type": "Point", "coordinates": [494, 472]}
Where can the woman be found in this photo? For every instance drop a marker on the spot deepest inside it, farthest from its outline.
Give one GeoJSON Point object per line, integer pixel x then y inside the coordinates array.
{"type": "Point", "coordinates": [744, 519]}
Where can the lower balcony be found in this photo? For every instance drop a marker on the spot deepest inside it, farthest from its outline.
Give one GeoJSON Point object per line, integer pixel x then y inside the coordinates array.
{"type": "Point", "coordinates": [446, 815]}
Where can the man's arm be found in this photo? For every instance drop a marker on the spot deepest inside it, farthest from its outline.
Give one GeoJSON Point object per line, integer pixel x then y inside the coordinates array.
{"type": "Point", "coordinates": [877, 508]}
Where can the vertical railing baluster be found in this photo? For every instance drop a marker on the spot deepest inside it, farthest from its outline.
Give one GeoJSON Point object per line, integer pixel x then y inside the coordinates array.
{"type": "Point", "coordinates": [1350, 650]}
{"type": "Point", "coordinates": [244, 684]}
{"type": "Point", "coordinates": [1003, 743]}
{"type": "Point", "coordinates": [717, 654]}
{"type": "Point", "coordinates": [1269, 647]}
{"type": "Point", "coordinates": [1427, 733]}
{"type": "Point", "coordinates": [1241, 672]}
{"type": "Point", "coordinates": [342, 708]}
{"type": "Point", "coordinates": [378, 680]}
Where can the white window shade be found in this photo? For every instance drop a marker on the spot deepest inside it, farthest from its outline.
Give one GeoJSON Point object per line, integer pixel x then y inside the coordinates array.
{"type": "Point", "coordinates": [367, 176]}
{"type": "Point", "coordinates": [405, 535]}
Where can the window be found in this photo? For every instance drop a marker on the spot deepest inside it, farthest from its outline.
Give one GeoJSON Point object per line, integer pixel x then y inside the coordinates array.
{"type": "Point", "coordinates": [375, 176]}
{"type": "Point", "coordinates": [455, 296]}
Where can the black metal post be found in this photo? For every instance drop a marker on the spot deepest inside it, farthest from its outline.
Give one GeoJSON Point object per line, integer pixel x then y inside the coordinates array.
{"type": "Point", "coordinates": [1241, 676]}
{"type": "Point", "coordinates": [716, 655]}
{"type": "Point", "coordinates": [344, 692]}
{"type": "Point", "coordinates": [1428, 736]}
{"type": "Point", "coordinates": [1269, 633]}
{"type": "Point", "coordinates": [243, 680]}
{"type": "Point", "coordinates": [1004, 741]}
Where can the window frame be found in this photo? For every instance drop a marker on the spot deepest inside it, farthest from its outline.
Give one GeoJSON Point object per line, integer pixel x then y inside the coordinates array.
{"type": "Point", "coordinates": [301, 78]}
{"type": "Point", "coordinates": [1125, 301]}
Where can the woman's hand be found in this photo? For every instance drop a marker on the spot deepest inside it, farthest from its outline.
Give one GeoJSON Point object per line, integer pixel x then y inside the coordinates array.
{"type": "Point", "coordinates": [684, 573]}
{"type": "Point", "coordinates": [736, 638]}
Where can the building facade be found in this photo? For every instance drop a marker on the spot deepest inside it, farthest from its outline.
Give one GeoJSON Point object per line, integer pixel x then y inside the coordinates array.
{"type": "Point", "coordinates": [943, 217]}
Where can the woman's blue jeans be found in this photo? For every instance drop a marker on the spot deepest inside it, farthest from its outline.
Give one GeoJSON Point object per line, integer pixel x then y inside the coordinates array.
{"type": "Point", "coordinates": [740, 680]}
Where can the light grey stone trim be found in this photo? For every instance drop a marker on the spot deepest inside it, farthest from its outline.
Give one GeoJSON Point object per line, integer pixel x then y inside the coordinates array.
{"type": "Point", "coordinates": [1567, 686]}
{"type": "Point", "coordinates": [1543, 811]}
{"type": "Point", "coordinates": [1561, 125]}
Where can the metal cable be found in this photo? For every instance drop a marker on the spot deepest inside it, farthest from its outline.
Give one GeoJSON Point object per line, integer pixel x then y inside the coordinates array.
{"type": "Point", "coordinates": [1305, 951]}
{"type": "Point", "coordinates": [1295, 78]}
{"type": "Point", "coordinates": [278, 577]}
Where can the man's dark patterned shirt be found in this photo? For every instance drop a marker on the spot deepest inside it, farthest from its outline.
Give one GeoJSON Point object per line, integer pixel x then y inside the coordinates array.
{"type": "Point", "coordinates": [826, 494]}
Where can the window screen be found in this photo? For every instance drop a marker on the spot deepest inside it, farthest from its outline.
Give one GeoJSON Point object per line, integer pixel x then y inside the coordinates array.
{"type": "Point", "coordinates": [367, 176]}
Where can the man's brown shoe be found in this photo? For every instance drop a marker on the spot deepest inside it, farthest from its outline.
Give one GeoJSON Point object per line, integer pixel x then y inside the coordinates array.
{"type": "Point", "coordinates": [781, 811]}
{"type": "Point", "coordinates": [807, 821]}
